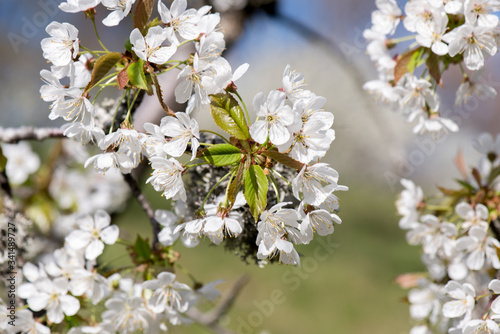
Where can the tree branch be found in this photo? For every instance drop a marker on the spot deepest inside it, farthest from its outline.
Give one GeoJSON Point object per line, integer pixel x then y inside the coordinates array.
{"type": "Point", "coordinates": [13, 135]}
{"type": "Point", "coordinates": [145, 205]}
{"type": "Point", "coordinates": [211, 318]}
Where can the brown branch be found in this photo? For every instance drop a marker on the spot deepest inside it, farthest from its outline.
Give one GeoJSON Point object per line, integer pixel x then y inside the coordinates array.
{"type": "Point", "coordinates": [13, 135]}
{"type": "Point", "coordinates": [145, 205]}
{"type": "Point", "coordinates": [211, 318]}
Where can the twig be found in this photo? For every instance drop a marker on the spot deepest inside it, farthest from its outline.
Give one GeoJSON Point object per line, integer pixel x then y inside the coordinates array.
{"type": "Point", "coordinates": [211, 318]}
{"type": "Point", "coordinates": [145, 205]}
{"type": "Point", "coordinates": [13, 135]}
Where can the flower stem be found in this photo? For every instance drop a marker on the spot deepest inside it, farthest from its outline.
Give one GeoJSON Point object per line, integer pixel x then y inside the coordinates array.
{"type": "Point", "coordinates": [116, 110]}
{"type": "Point", "coordinates": [213, 188]}
{"type": "Point", "coordinates": [97, 35]}
{"type": "Point", "coordinates": [243, 104]}
{"type": "Point", "coordinates": [129, 112]}
{"type": "Point", "coordinates": [215, 133]}
{"type": "Point", "coordinates": [275, 186]}
{"type": "Point", "coordinates": [281, 176]}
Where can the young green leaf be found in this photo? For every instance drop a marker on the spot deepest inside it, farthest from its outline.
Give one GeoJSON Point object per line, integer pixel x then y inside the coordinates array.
{"type": "Point", "coordinates": [283, 159]}
{"type": "Point", "coordinates": [237, 182]}
{"type": "Point", "coordinates": [143, 10]}
{"type": "Point", "coordinates": [255, 190]}
{"type": "Point", "coordinates": [136, 75]}
{"type": "Point", "coordinates": [142, 249]}
{"type": "Point", "coordinates": [3, 161]}
{"type": "Point", "coordinates": [432, 64]}
{"type": "Point", "coordinates": [229, 116]}
{"type": "Point", "coordinates": [101, 67]}
{"type": "Point", "coordinates": [407, 62]}
{"type": "Point", "coordinates": [221, 155]}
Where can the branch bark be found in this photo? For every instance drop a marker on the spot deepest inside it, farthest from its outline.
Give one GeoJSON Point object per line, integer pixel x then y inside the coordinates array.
{"type": "Point", "coordinates": [211, 318]}
{"type": "Point", "coordinates": [145, 205]}
{"type": "Point", "coordinates": [13, 135]}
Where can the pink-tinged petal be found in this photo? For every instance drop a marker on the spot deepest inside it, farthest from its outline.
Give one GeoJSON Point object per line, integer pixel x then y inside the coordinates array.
{"type": "Point", "coordinates": [109, 235]}
{"type": "Point", "coordinates": [94, 249]}
{"type": "Point", "coordinates": [78, 239]}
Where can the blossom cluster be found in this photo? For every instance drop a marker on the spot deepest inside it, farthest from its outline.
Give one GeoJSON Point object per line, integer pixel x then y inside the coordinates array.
{"type": "Point", "coordinates": [280, 148]}
{"type": "Point", "coordinates": [68, 277]}
{"type": "Point", "coordinates": [444, 33]}
{"type": "Point", "coordinates": [459, 239]}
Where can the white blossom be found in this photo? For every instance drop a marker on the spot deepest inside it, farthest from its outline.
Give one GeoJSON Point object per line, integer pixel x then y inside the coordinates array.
{"type": "Point", "coordinates": [92, 234]}
{"type": "Point", "coordinates": [52, 296]}
{"type": "Point", "coordinates": [167, 177]}
{"type": "Point", "coordinates": [74, 6]}
{"type": "Point", "coordinates": [119, 8]}
{"type": "Point", "coordinates": [149, 48]}
{"type": "Point", "coordinates": [21, 161]}
{"type": "Point", "coordinates": [274, 116]}
{"type": "Point", "coordinates": [181, 129]}
{"type": "Point", "coordinates": [62, 45]}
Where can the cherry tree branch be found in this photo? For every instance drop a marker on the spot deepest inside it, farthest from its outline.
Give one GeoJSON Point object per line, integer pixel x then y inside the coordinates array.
{"type": "Point", "coordinates": [13, 135]}
{"type": "Point", "coordinates": [145, 205]}
{"type": "Point", "coordinates": [211, 318]}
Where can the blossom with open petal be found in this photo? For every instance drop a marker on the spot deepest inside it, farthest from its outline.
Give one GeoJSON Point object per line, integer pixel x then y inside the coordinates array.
{"type": "Point", "coordinates": [462, 302]}
{"type": "Point", "coordinates": [75, 6]}
{"type": "Point", "coordinates": [120, 9]}
{"type": "Point", "coordinates": [167, 294]}
{"type": "Point", "coordinates": [150, 48]}
{"type": "Point", "coordinates": [92, 234]}
{"type": "Point", "coordinates": [315, 183]}
{"type": "Point", "coordinates": [274, 117]}
{"type": "Point", "coordinates": [52, 296]}
{"type": "Point", "coordinates": [181, 129]}
{"type": "Point", "coordinates": [62, 45]}
{"type": "Point", "coordinates": [167, 177]}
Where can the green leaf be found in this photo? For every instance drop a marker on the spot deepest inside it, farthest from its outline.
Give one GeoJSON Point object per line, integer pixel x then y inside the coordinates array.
{"type": "Point", "coordinates": [221, 155]}
{"type": "Point", "coordinates": [407, 62]}
{"type": "Point", "coordinates": [284, 159]}
{"type": "Point", "coordinates": [136, 75]}
{"type": "Point", "coordinates": [229, 116]}
{"type": "Point", "coordinates": [142, 249]}
{"type": "Point", "coordinates": [493, 174]}
{"type": "Point", "coordinates": [255, 190]}
{"type": "Point", "coordinates": [3, 161]}
{"type": "Point", "coordinates": [237, 182]}
{"type": "Point", "coordinates": [466, 185]}
{"type": "Point", "coordinates": [101, 67]}
{"type": "Point", "coordinates": [143, 10]}
{"type": "Point", "coordinates": [432, 64]}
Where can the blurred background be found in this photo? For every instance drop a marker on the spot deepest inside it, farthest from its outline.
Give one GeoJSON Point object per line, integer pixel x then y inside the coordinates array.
{"type": "Point", "coordinates": [351, 289]}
